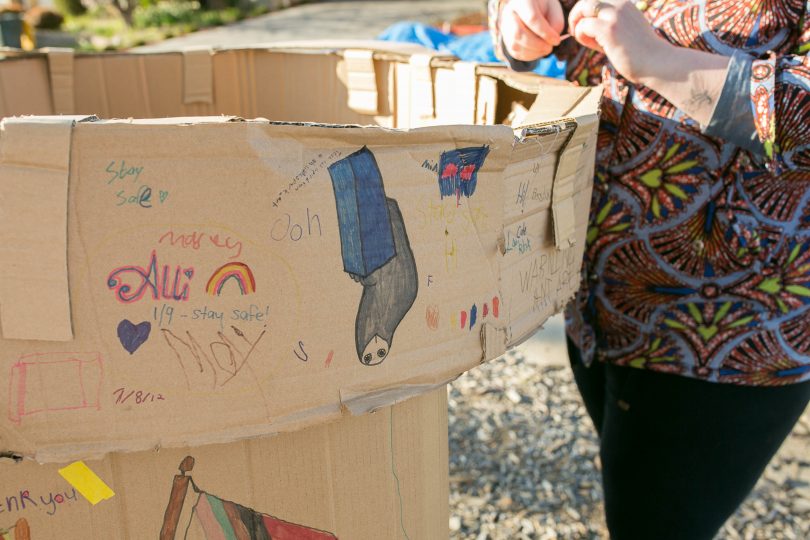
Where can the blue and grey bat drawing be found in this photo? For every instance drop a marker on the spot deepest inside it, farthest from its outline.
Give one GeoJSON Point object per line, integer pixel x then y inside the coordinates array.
{"type": "Point", "coordinates": [376, 253]}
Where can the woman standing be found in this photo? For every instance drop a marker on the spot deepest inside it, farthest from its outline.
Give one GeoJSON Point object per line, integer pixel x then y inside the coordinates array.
{"type": "Point", "coordinates": [695, 302]}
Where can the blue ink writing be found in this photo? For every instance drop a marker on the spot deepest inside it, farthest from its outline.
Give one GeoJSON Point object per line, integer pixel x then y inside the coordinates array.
{"type": "Point", "coordinates": [122, 172]}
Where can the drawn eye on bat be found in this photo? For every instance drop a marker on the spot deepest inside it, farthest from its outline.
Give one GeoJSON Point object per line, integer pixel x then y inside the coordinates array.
{"type": "Point", "coordinates": [375, 351]}
{"type": "Point", "coordinates": [376, 253]}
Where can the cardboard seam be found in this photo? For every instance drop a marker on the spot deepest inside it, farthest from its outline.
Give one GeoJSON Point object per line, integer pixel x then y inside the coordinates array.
{"type": "Point", "coordinates": [64, 320]}
{"type": "Point", "coordinates": [361, 81]}
{"type": "Point", "coordinates": [145, 86]}
{"type": "Point", "coordinates": [368, 402]}
{"type": "Point", "coordinates": [557, 203]}
{"type": "Point", "coordinates": [60, 76]}
{"type": "Point", "coordinates": [198, 76]}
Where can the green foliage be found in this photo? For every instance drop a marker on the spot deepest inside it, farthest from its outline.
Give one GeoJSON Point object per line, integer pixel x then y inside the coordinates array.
{"type": "Point", "coordinates": [97, 22]}
{"type": "Point", "coordinates": [165, 13]}
{"type": "Point", "coordinates": [105, 27]}
{"type": "Point", "coordinates": [70, 7]}
{"type": "Point", "coordinates": [186, 14]}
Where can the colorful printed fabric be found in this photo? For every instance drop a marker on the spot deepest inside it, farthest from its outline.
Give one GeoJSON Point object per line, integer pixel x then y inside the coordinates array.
{"type": "Point", "coordinates": [698, 251]}
{"type": "Point", "coordinates": [225, 520]}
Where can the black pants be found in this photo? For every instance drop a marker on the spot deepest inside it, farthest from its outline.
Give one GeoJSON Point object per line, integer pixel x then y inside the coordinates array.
{"type": "Point", "coordinates": [679, 455]}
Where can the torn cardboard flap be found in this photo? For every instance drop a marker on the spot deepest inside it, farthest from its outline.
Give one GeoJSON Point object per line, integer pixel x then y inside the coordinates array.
{"type": "Point", "coordinates": [198, 75]}
{"type": "Point", "coordinates": [34, 172]}
{"type": "Point", "coordinates": [60, 69]}
{"type": "Point", "coordinates": [578, 105]}
{"type": "Point", "coordinates": [362, 81]}
{"type": "Point", "coordinates": [569, 166]}
{"type": "Point", "coordinates": [562, 202]}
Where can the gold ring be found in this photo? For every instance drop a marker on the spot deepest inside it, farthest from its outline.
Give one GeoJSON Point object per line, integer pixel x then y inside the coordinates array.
{"type": "Point", "coordinates": [596, 9]}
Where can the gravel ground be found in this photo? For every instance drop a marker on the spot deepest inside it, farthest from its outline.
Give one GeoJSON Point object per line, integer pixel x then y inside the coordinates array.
{"type": "Point", "coordinates": [522, 461]}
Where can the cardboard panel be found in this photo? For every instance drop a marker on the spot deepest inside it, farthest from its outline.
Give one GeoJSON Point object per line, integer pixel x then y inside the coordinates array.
{"type": "Point", "coordinates": [222, 316]}
{"type": "Point", "coordinates": [34, 173]}
{"type": "Point", "coordinates": [217, 281]}
{"type": "Point", "coordinates": [229, 280]}
{"type": "Point", "coordinates": [24, 87]}
{"type": "Point", "coordinates": [383, 475]}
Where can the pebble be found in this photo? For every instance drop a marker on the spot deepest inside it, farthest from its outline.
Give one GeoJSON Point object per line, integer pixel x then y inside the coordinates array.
{"type": "Point", "coordinates": [801, 506]}
{"type": "Point", "coordinates": [524, 463]}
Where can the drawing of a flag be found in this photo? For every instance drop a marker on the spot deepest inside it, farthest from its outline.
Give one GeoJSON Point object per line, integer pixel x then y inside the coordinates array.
{"type": "Point", "coordinates": [193, 514]}
{"type": "Point", "coordinates": [218, 519]}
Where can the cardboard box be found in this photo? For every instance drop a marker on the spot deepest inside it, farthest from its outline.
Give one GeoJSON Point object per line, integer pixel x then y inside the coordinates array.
{"type": "Point", "coordinates": [382, 475]}
{"type": "Point", "coordinates": [180, 282]}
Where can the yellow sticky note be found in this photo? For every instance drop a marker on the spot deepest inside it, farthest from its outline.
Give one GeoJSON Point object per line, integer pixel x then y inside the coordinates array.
{"type": "Point", "coordinates": [86, 482]}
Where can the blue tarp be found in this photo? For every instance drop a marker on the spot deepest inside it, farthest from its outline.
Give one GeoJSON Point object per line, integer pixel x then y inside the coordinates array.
{"type": "Point", "coordinates": [473, 48]}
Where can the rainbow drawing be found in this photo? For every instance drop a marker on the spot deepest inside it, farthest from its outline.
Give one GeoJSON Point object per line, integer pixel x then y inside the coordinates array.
{"type": "Point", "coordinates": [234, 270]}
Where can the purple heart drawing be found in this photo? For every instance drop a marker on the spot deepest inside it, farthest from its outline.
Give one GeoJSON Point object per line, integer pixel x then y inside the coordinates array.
{"type": "Point", "coordinates": [133, 336]}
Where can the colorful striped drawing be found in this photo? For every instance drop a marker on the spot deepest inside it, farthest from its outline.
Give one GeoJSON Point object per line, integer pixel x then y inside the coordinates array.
{"type": "Point", "coordinates": [240, 272]}
{"type": "Point", "coordinates": [197, 515]}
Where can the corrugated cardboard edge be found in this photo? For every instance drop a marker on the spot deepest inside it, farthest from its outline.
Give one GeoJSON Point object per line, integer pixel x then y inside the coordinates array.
{"type": "Point", "coordinates": [34, 176]}
{"type": "Point", "coordinates": [382, 49]}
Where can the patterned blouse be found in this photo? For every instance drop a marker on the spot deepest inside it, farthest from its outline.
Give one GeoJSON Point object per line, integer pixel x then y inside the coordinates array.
{"type": "Point", "coordinates": [698, 249]}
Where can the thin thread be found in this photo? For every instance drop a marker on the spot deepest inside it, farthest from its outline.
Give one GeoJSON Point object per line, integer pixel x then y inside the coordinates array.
{"type": "Point", "coordinates": [396, 478]}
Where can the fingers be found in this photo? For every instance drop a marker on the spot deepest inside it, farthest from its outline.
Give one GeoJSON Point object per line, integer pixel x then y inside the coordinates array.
{"type": "Point", "coordinates": [536, 20]}
{"type": "Point", "coordinates": [587, 19]}
{"type": "Point", "coordinates": [556, 17]}
{"type": "Point", "coordinates": [520, 42]}
{"type": "Point", "coordinates": [577, 13]}
{"type": "Point", "coordinates": [590, 9]}
{"type": "Point", "coordinates": [586, 33]}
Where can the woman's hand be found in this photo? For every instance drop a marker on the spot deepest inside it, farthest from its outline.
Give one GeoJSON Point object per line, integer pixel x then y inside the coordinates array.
{"type": "Point", "coordinates": [690, 79]}
{"type": "Point", "coordinates": [531, 28]}
{"type": "Point", "coordinates": [617, 28]}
